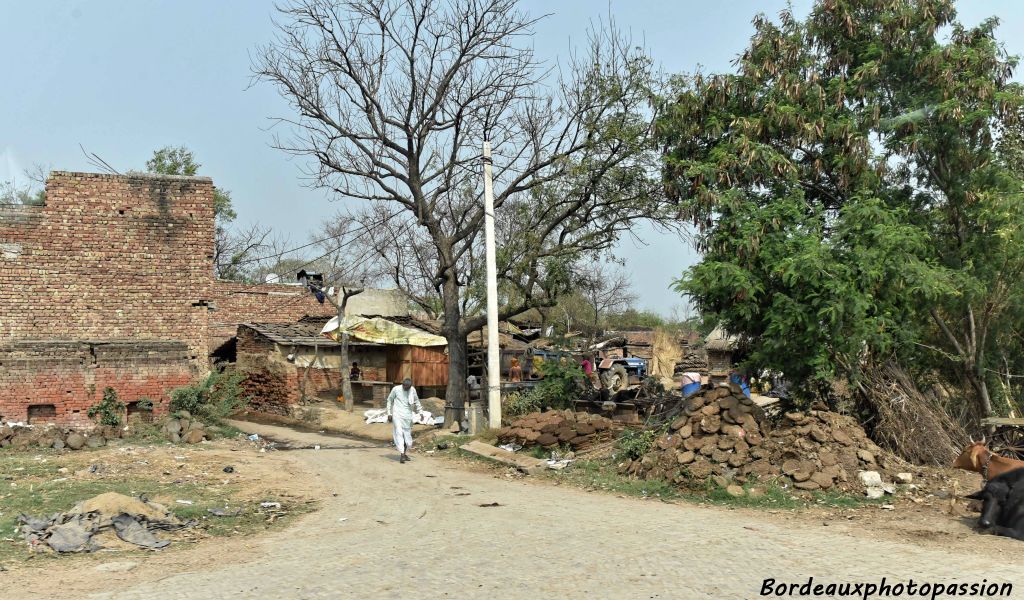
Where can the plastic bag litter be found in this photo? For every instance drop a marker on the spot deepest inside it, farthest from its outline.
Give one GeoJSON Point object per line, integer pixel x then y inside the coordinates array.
{"type": "Point", "coordinates": [511, 447]}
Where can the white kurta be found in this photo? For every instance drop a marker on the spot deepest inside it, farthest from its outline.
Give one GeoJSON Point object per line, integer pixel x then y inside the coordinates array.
{"type": "Point", "coordinates": [402, 405]}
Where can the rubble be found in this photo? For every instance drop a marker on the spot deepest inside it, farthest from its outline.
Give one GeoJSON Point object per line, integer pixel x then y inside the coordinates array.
{"type": "Point", "coordinates": [720, 432]}
{"type": "Point", "coordinates": [579, 430]}
{"type": "Point", "coordinates": [133, 520]}
{"type": "Point", "coordinates": [17, 436]}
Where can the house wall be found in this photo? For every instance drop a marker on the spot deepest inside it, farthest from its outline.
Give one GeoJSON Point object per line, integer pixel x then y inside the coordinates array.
{"type": "Point", "coordinates": [110, 261]}
{"type": "Point", "coordinates": [275, 383]}
{"type": "Point", "coordinates": [426, 366]}
{"type": "Point", "coordinates": [235, 303]}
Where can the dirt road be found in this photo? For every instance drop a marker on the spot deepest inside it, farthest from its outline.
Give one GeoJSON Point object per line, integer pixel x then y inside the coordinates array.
{"type": "Point", "coordinates": [430, 530]}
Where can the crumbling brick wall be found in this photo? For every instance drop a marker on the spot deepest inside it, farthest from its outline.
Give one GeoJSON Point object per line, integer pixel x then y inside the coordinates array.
{"type": "Point", "coordinates": [235, 303]}
{"type": "Point", "coordinates": [64, 378]}
{"type": "Point", "coordinates": [108, 258]}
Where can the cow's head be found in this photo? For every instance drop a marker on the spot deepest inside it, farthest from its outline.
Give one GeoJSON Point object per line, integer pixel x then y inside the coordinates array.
{"type": "Point", "coordinates": [972, 458]}
{"type": "Point", "coordinates": [992, 496]}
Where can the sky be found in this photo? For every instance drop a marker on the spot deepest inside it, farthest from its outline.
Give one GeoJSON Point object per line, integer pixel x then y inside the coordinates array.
{"type": "Point", "coordinates": [124, 78]}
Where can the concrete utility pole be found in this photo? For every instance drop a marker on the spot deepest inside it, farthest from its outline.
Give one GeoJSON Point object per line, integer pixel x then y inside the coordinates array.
{"type": "Point", "coordinates": [493, 348]}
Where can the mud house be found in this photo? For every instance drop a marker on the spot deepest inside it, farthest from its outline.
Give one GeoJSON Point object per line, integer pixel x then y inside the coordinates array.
{"type": "Point", "coordinates": [286, 364]}
{"type": "Point", "coordinates": [720, 349]}
{"type": "Point", "coordinates": [111, 283]}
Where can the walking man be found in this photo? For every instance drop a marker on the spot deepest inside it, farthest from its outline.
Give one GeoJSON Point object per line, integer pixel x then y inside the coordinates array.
{"type": "Point", "coordinates": [403, 404]}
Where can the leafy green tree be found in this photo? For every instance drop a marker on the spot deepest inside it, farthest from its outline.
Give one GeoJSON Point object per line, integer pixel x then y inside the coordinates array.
{"type": "Point", "coordinates": [851, 199]}
{"type": "Point", "coordinates": [11, 194]}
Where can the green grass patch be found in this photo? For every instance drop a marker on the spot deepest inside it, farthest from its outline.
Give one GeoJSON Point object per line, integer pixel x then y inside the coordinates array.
{"type": "Point", "coordinates": [32, 484]}
{"type": "Point", "coordinates": [601, 476]}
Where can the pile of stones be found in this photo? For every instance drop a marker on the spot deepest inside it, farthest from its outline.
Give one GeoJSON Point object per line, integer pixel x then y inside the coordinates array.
{"type": "Point", "coordinates": [554, 428]}
{"type": "Point", "coordinates": [20, 437]}
{"type": "Point", "coordinates": [183, 428]}
{"type": "Point", "coordinates": [723, 435]}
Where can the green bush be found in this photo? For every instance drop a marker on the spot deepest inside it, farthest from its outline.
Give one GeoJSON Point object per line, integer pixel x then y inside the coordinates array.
{"type": "Point", "coordinates": [634, 443]}
{"type": "Point", "coordinates": [561, 386]}
{"type": "Point", "coordinates": [108, 410]}
{"type": "Point", "coordinates": [213, 398]}
{"type": "Point", "coordinates": [521, 403]}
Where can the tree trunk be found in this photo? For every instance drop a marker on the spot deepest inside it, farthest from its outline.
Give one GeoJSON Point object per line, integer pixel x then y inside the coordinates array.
{"type": "Point", "coordinates": [981, 388]}
{"type": "Point", "coordinates": [346, 385]}
{"type": "Point", "coordinates": [458, 355]}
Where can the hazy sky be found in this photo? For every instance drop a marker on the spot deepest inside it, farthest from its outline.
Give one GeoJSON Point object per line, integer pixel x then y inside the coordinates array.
{"type": "Point", "coordinates": [124, 78]}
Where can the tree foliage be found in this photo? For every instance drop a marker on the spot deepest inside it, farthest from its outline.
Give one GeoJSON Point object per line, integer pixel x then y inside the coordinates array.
{"type": "Point", "coordinates": [851, 195]}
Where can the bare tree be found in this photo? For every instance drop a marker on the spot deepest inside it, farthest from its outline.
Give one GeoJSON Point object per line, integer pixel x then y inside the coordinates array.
{"type": "Point", "coordinates": [606, 288]}
{"type": "Point", "coordinates": [392, 100]}
{"type": "Point", "coordinates": [234, 250]}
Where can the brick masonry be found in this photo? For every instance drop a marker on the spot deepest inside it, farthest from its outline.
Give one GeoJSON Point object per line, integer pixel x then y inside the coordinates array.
{"type": "Point", "coordinates": [107, 284]}
{"type": "Point", "coordinates": [236, 303]}
{"type": "Point", "coordinates": [111, 283]}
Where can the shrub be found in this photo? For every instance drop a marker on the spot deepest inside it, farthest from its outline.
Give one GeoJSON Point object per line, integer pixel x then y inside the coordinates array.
{"type": "Point", "coordinates": [634, 443]}
{"type": "Point", "coordinates": [562, 384]}
{"type": "Point", "coordinates": [108, 410]}
{"type": "Point", "coordinates": [213, 398]}
{"type": "Point", "coordinates": [521, 403]}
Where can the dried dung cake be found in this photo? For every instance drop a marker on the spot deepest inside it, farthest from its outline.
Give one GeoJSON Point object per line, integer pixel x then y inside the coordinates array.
{"type": "Point", "coordinates": [722, 433]}
{"type": "Point", "coordinates": [579, 430]}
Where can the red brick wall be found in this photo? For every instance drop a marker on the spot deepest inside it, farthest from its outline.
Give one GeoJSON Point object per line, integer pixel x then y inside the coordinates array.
{"type": "Point", "coordinates": [72, 376]}
{"type": "Point", "coordinates": [109, 257]}
{"type": "Point", "coordinates": [235, 303]}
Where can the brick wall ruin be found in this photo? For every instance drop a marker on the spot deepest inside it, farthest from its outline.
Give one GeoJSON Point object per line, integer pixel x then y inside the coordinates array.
{"type": "Point", "coordinates": [236, 303]}
{"type": "Point", "coordinates": [110, 283]}
{"type": "Point", "coordinates": [107, 284]}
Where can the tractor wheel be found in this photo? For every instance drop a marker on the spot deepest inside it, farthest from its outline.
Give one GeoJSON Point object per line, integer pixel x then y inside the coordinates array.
{"type": "Point", "coordinates": [616, 378]}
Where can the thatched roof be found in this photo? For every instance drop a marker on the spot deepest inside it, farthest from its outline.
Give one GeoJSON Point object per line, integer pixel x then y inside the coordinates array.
{"type": "Point", "coordinates": [720, 341]}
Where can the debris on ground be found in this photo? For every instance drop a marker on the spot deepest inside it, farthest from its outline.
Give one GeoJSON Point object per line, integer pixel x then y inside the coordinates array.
{"type": "Point", "coordinates": [132, 520]}
{"type": "Point", "coordinates": [183, 428]}
{"type": "Point", "coordinates": [721, 433]}
{"type": "Point", "coordinates": [18, 436]}
{"type": "Point", "coordinates": [579, 430]}
{"type": "Point", "coordinates": [526, 464]}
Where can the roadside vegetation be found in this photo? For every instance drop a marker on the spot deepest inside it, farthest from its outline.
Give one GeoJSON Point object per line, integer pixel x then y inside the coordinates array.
{"type": "Point", "coordinates": [44, 482]}
{"type": "Point", "coordinates": [601, 475]}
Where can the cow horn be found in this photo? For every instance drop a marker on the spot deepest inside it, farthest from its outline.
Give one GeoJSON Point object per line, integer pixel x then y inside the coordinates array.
{"type": "Point", "coordinates": [971, 437]}
{"type": "Point", "coordinates": [983, 441]}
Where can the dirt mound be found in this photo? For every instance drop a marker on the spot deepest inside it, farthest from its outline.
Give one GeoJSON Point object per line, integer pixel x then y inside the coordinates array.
{"type": "Point", "coordinates": [723, 433]}
{"type": "Point", "coordinates": [112, 504]}
{"type": "Point", "coordinates": [579, 430]}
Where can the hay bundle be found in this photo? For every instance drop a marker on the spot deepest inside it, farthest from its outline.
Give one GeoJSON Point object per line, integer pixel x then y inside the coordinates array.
{"type": "Point", "coordinates": [906, 422]}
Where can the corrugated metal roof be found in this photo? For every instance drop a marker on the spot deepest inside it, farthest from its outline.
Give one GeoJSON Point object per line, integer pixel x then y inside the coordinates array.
{"type": "Point", "coordinates": [303, 333]}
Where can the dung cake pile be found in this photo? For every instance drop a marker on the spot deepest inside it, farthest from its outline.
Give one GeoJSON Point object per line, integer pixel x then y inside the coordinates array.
{"type": "Point", "coordinates": [553, 428]}
{"type": "Point", "coordinates": [692, 363]}
{"type": "Point", "coordinates": [721, 433]}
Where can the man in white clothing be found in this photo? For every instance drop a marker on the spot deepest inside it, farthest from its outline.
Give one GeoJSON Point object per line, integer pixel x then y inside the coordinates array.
{"type": "Point", "coordinates": [403, 405]}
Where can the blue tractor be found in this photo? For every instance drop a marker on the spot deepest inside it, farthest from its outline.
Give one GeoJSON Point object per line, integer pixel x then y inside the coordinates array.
{"type": "Point", "coordinates": [618, 374]}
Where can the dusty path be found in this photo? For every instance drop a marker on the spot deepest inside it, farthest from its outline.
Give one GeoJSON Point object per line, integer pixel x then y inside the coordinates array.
{"type": "Point", "coordinates": [418, 530]}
